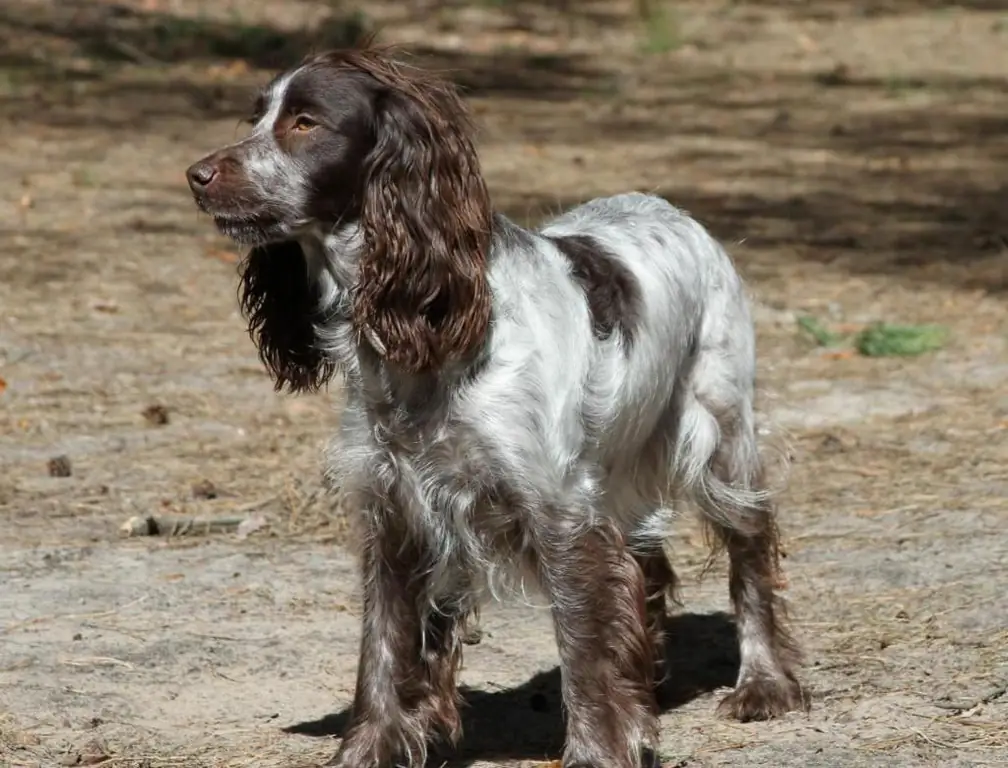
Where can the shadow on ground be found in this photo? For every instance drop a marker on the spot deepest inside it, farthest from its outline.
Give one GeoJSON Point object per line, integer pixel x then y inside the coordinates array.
{"type": "Point", "coordinates": [891, 198]}
{"type": "Point", "coordinates": [93, 40]}
{"type": "Point", "coordinates": [703, 656]}
{"type": "Point", "coordinates": [959, 235]}
{"type": "Point", "coordinates": [827, 11]}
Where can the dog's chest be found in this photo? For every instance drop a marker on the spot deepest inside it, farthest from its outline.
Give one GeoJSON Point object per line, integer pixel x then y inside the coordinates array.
{"type": "Point", "coordinates": [442, 469]}
{"type": "Point", "coordinates": [443, 474]}
{"type": "Point", "coordinates": [450, 489]}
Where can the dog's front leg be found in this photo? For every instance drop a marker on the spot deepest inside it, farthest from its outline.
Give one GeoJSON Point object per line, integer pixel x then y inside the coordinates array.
{"type": "Point", "coordinates": [409, 655]}
{"type": "Point", "coordinates": [598, 598]}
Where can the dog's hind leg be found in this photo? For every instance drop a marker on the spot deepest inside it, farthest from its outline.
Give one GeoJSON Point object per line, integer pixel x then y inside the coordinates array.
{"type": "Point", "coordinates": [728, 485]}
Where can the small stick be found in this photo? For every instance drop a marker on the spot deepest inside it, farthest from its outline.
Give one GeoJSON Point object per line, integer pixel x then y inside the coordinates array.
{"type": "Point", "coordinates": [992, 695]}
{"type": "Point", "coordinates": [96, 661]}
{"type": "Point", "coordinates": [152, 525]}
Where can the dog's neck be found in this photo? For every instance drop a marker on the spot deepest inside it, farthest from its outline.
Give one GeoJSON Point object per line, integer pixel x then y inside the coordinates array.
{"type": "Point", "coordinates": [332, 254]}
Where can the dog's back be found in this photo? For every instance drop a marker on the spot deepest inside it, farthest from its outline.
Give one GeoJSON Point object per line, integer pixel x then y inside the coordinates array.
{"type": "Point", "coordinates": [653, 396]}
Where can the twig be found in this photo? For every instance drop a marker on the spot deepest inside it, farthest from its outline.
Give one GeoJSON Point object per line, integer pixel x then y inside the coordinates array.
{"type": "Point", "coordinates": [992, 695]}
{"type": "Point", "coordinates": [97, 661]}
{"type": "Point", "coordinates": [152, 525]}
{"type": "Point", "coordinates": [728, 747]}
{"type": "Point", "coordinates": [230, 638]}
{"type": "Point", "coordinates": [921, 735]}
{"type": "Point", "coordinates": [253, 506]}
{"type": "Point", "coordinates": [133, 53]}
{"type": "Point", "coordinates": [113, 628]}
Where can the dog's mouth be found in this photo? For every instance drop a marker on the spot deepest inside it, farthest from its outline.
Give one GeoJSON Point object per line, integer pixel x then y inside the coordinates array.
{"type": "Point", "coordinates": [247, 222]}
{"type": "Point", "coordinates": [249, 229]}
{"type": "Point", "coordinates": [245, 226]}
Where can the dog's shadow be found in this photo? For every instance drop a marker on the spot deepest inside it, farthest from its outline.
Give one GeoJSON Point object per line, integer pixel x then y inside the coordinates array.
{"type": "Point", "coordinates": [526, 723]}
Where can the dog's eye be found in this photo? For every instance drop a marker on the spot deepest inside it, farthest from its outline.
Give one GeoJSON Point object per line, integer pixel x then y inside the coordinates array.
{"type": "Point", "coordinates": [303, 123]}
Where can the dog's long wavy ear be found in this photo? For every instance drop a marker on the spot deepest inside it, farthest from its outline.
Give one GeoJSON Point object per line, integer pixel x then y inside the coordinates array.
{"type": "Point", "coordinates": [281, 307]}
{"type": "Point", "coordinates": [422, 297]}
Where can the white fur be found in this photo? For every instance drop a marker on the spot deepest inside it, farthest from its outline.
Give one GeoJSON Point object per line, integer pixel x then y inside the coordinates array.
{"type": "Point", "coordinates": [557, 425]}
{"type": "Point", "coordinates": [275, 174]}
{"type": "Point", "coordinates": [560, 418]}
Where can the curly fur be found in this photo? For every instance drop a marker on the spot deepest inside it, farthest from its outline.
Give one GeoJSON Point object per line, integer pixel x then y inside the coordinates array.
{"type": "Point", "coordinates": [527, 406]}
{"type": "Point", "coordinates": [425, 221]}
{"type": "Point", "coordinates": [274, 279]}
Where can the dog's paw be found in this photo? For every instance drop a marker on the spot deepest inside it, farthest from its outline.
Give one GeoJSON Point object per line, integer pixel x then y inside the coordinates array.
{"type": "Point", "coordinates": [763, 698]}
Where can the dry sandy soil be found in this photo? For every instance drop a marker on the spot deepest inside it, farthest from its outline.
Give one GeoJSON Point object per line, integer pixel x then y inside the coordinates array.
{"type": "Point", "coordinates": [853, 153]}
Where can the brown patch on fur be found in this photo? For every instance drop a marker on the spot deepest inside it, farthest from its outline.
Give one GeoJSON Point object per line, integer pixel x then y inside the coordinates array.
{"type": "Point", "coordinates": [406, 677]}
{"type": "Point", "coordinates": [611, 289]}
{"type": "Point", "coordinates": [444, 636]}
{"type": "Point", "coordinates": [772, 692]}
{"type": "Point", "coordinates": [280, 306]}
{"type": "Point", "coordinates": [660, 584]}
{"type": "Point", "coordinates": [769, 686]}
{"type": "Point", "coordinates": [425, 219]}
{"type": "Point", "coordinates": [600, 615]}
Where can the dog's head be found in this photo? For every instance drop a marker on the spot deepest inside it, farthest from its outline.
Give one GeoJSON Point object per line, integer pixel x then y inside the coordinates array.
{"type": "Point", "coordinates": [303, 161]}
{"type": "Point", "coordinates": [354, 137]}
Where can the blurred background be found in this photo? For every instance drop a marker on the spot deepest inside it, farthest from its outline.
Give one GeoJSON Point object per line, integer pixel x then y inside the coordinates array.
{"type": "Point", "coordinates": [854, 157]}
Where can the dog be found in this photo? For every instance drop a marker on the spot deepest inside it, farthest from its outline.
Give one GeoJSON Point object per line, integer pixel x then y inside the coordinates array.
{"type": "Point", "coordinates": [523, 405]}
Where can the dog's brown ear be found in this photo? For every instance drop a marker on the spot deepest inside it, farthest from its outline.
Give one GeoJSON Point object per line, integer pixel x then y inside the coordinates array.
{"type": "Point", "coordinates": [422, 298]}
{"type": "Point", "coordinates": [281, 306]}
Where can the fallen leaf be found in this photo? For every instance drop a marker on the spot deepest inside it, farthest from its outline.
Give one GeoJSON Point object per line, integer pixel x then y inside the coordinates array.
{"type": "Point", "coordinates": [226, 256]}
{"type": "Point", "coordinates": [237, 67]}
{"type": "Point", "coordinates": [822, 335]}
{"type": "Point", "coordinates": [841, 354]}
{"type": "Point", "coordinates": [156, 415]}
{"type": "Point", "coordinates": [205, 489]}
{"type": "Point", "coordinates": [889, 340]}
{"type": "Point", "coordinates": [3, 384]}
{"type": "Point", "coordinates": [59, 466]}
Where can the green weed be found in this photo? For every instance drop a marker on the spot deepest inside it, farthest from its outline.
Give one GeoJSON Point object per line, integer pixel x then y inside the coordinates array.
{"type": "Point", "coordinates": [819, 332]}
{"type": "Point", "coordinates": [879, 339]}
{"type": "Point", "coordinates": [887, 340]}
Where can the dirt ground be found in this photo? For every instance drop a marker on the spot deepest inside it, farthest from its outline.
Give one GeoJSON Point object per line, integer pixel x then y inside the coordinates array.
{"type": "Point", "coordinates": [855, 155]}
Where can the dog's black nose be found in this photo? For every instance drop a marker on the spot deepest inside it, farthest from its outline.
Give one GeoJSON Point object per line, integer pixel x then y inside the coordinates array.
{"type": "Point", "coordinates": [200, 175]}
